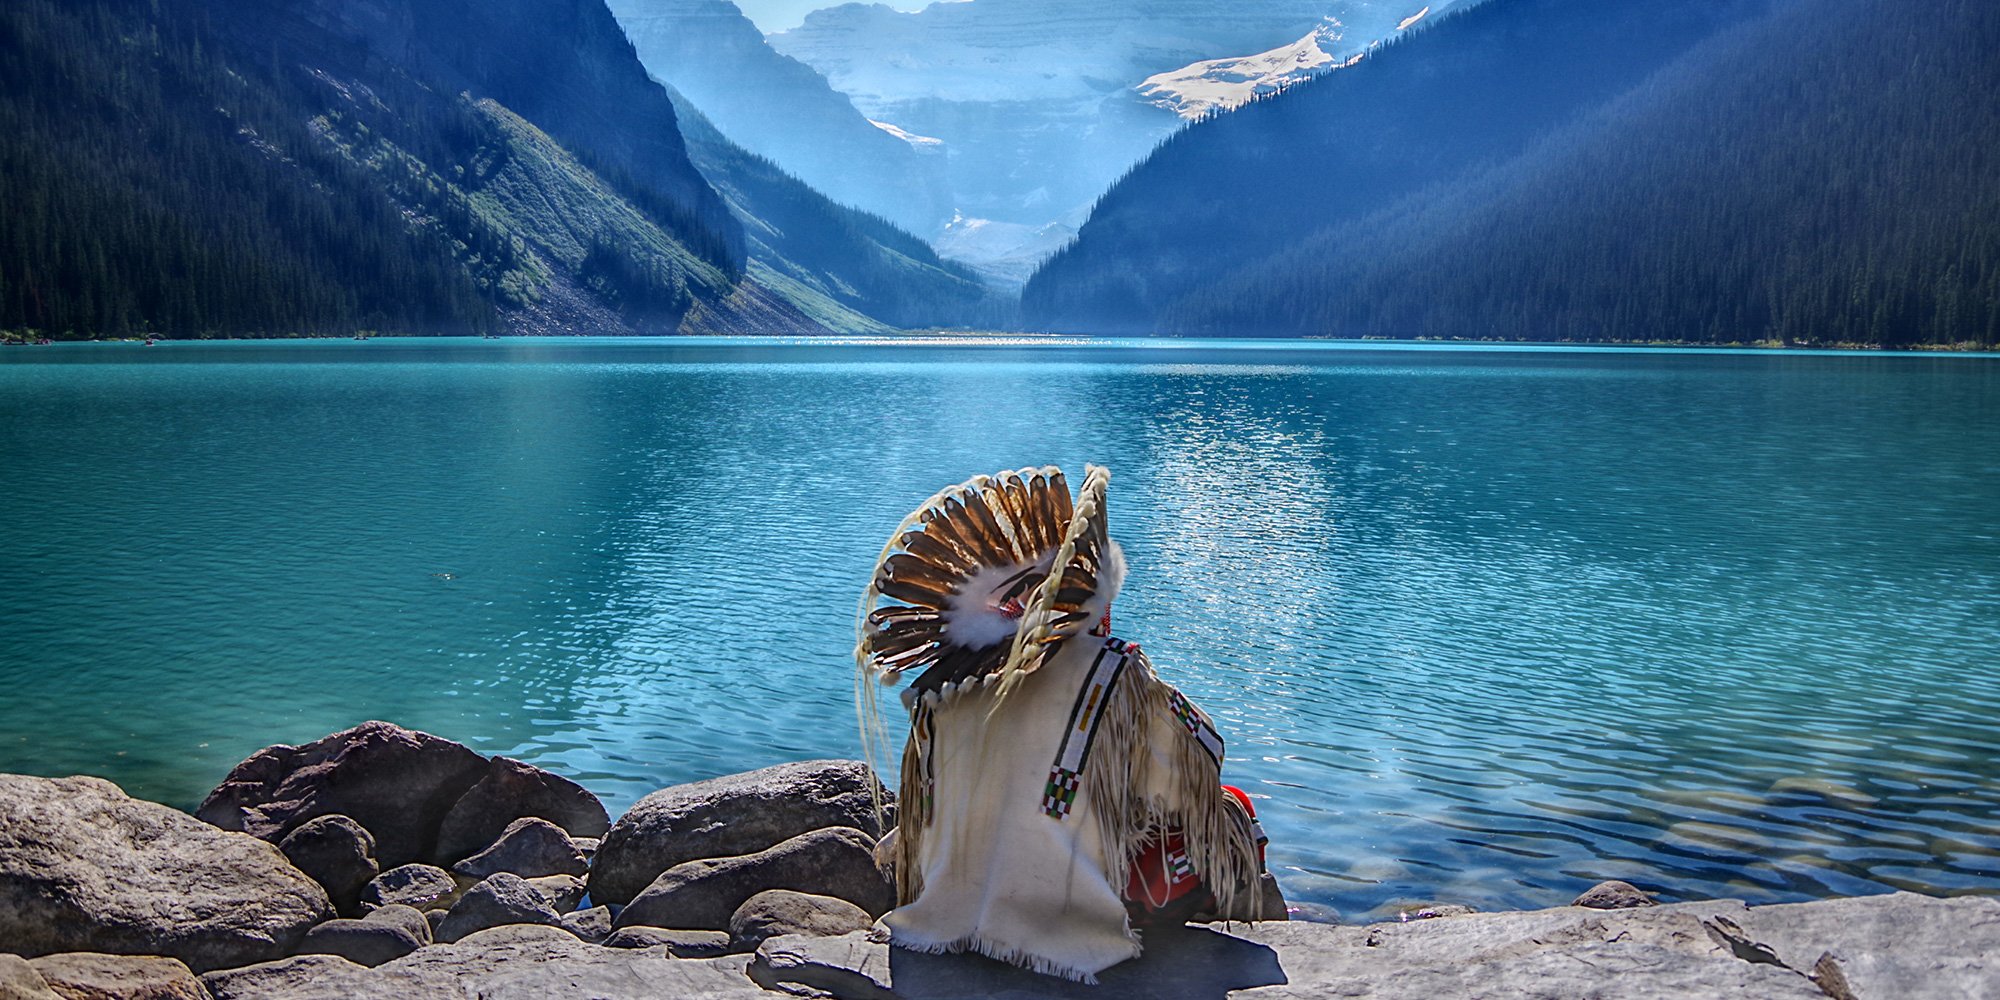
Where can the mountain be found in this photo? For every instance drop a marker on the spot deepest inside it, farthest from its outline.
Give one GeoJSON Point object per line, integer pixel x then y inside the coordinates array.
{"type": "Point", "coordinates": [196, 168]}
{"type": "Point", "coordinates": [1035, 101]}
{"type": "Point", "coordinates": [799, 238]}
{"type": "Point", "coordinates": [1213, 85]}
{"type": "Point", "coordinates": [785, 111]}
{"type": "Point", "coordinates": [1794, 171]}
{"type": "Point", "coordinates": [1004, 253]}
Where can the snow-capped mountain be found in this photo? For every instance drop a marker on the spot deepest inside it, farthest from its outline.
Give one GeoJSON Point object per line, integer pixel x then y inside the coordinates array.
{"type": "Point", "coordinates": [1211, 84]}
{"type": "Point", "coordinates": [1031, 99]}
{"type": "Point", "coordinates": [1222, 84]}
{"type": "Point", "coordinates": [1035, 101]}
{"type": "Point", "coordinates": [1004, 253]}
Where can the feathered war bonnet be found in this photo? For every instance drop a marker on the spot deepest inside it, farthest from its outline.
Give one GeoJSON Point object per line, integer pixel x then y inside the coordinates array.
{"type": "Point", "coordinates": [987, 580]}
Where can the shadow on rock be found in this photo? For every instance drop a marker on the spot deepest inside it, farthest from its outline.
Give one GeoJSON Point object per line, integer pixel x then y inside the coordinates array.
{"type": "Point", "coordinates": [1191, 963]}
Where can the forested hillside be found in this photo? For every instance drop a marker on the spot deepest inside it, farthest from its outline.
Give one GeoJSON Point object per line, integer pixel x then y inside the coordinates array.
{"type": "Point", "coordinates": [115, 158]}
{"type": "Point", "coordinates": [1821, 173]}
{"type": "Point", "coordinates": [196, 168]}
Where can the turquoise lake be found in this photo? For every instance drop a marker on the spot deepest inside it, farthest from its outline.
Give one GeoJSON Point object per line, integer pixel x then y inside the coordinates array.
{"type": "Point", "coordinates": [1482, 625]}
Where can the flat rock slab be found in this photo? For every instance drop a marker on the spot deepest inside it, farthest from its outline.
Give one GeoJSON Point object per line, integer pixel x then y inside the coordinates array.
{"type": "Point", "coordinates": [84, 867]}
{"type": "Point", "coordinates": [506, 963]}
{"type": "Point", "coordinates": [1891, 946]}
{"type": "Point", "coordinates": [730, 816]}
{"type": "Point", "coordinates": [1897, 945]}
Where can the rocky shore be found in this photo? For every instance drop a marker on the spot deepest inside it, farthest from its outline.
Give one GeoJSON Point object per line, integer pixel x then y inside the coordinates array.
{"type": "Point", "coordinates": [383, 862]}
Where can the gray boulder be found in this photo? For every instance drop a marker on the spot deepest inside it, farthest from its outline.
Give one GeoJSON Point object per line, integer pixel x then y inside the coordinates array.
{"type": "Point", "coordinates": [363, 942]}
{"type": "Point", "coordinates": [1270, 899]}
{"type": "Point", "coordinates": [396, 782]}
{"type": "Point", "coordinates": [782, 911]}
{"type": "Point", "coordinates": [83, 867]}
{"type": "Point", "coordinates": [407, 917]}
{"type": "Point", "coordinates": [528, 847]}
{"type": "Point", "coordinates": [838, 862]}
{"type": "Point", "coordinates": [679, 943]}
{"type": "Point", "coordinates": [511, 790]}
{"type": "Point", "coordinates": [1613, 895]}
{"type": "Point", "coordinates": [731, 816]}
{"type": "Point", "coordinates": [92, 976]}
{"type": "Point", "coordinates": [562, 892]}
{"type": "Point", "coordinates": [1266, 903]}
{"type": "Point", "coordinates": [592, 925]}
{"type": "Point", "coordinates": [504, 898]}
{"type": "Point", "coordinates": [1432, 911]}
{"type": "Point", "coordinates": [422, 887]}
{"type": "Point", "coordinates": [338, 853]}
{"type": "Point", "coordinates": [20, 981]}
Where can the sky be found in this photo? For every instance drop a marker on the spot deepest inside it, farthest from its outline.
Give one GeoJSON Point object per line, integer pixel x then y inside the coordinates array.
{"type": "Point", "coordinates": [777, 15]}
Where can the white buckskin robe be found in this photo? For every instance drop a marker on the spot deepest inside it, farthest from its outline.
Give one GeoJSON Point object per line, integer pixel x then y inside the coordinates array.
{"type": "Point", "coordinates": [994, 872]}
{"type": "Point", "coordinates": [1042, 757]}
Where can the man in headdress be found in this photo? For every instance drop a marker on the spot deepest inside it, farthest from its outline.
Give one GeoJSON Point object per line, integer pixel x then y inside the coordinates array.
{"type": "Point", "coordinates": [1054, 790]}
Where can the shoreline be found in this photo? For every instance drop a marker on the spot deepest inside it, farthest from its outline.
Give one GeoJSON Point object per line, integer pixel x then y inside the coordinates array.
{"type": "Point", "coordinates": [385, 861]}
{"type": "Point", "coordinates": [1017, 338]}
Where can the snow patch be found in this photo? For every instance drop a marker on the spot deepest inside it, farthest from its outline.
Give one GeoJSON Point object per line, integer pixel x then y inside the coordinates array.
{"type": "Point", "coordinates": [1222, 84]}
{"type": "Point", "coordinates": [1404, 24]}
{"type": "Point", "coordinates": [922, 142]}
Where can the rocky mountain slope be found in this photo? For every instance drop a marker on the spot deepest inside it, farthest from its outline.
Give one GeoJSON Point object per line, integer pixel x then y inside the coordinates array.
{"type": "Point", "coordinates": [798, 238]}
{"type": "Point", "coordinates": [785, 111]}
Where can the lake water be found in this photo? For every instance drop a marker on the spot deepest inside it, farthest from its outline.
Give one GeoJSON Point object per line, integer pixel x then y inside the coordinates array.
{"type": "Point", "coordinates": [1481, 625]}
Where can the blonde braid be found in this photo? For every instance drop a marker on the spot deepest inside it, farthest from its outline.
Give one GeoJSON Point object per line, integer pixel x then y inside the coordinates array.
{"type": "Point", "coordinates": [1035, 631]}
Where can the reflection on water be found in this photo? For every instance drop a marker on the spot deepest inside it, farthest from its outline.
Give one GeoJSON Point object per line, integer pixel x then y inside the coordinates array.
{"type": "Point", "coordinates": [1485, 626]}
